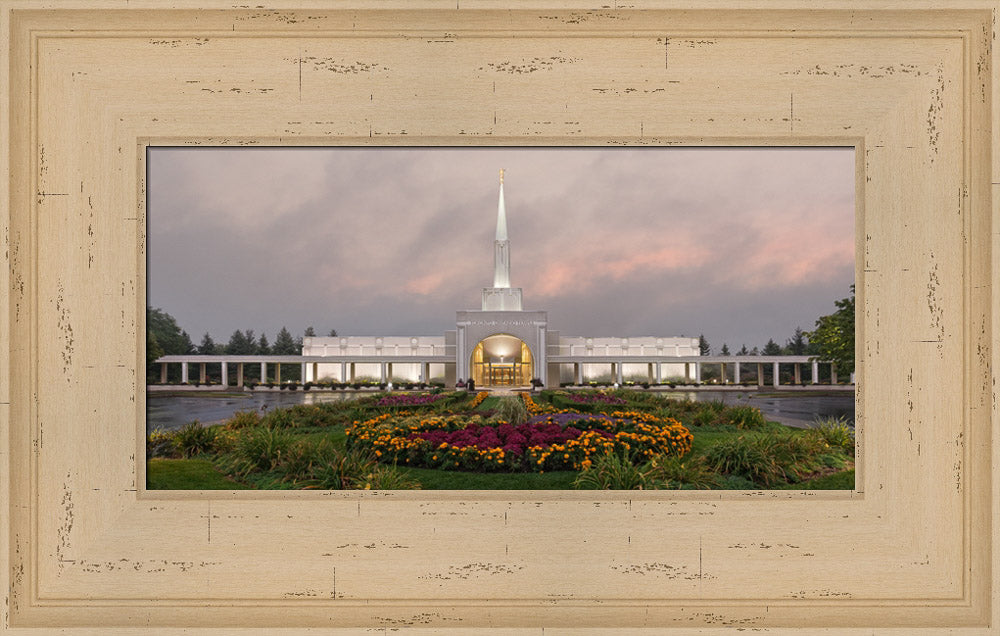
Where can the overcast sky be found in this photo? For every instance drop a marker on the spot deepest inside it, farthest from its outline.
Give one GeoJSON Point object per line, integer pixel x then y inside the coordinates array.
{"type": "Point", "coordinates": [740, 244]}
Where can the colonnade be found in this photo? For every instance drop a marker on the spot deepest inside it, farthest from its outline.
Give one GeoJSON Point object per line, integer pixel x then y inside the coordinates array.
{"type": "Point", "coordinates": [693, 370]}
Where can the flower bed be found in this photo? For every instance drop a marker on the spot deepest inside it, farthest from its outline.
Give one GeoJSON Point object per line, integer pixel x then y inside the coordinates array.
{"type": "Point", "coordinates": [405, 399]}
{"type": "Point", "coordinates": [476, 401]}
{"type": "Point", "coordinates": [558, 442]}
{"type": "Point", "coordinates": [595, 398]}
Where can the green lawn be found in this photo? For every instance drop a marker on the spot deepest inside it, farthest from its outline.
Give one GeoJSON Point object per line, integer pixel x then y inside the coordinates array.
{"type": "Point", "coordinates": [187, 474]}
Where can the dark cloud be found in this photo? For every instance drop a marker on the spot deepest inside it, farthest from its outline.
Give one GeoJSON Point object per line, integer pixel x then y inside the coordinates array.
{"type": "Point", "coordinates": [739, 244]}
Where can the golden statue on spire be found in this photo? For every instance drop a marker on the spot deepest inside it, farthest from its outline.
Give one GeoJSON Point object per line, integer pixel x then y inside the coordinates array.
{"type": "Point", "coordinates": [501, 176]}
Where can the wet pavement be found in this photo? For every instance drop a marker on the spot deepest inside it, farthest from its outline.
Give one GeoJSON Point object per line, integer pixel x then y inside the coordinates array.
{"type": "Point", "coordinates": [794, 408]}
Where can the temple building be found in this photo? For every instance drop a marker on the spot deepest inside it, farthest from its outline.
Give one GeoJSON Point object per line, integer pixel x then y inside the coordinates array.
{"type": "Point", "coordinates": [500, 344]}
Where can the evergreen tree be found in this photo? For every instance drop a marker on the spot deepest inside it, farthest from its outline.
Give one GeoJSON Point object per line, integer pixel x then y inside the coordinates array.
{"type": "Point", "coordinates": [834, 335]}
{"type": "Point", "coordinates": [754, 352]}
{"type": "Point", "coordinates": [186, 343]}
{"type": "Point", "coordinates": [743, 351]}
{"type": "Point", "coordinates": [310, 332]}
{"type": "Point", "coordinates": [263, 346]}
{"type": "Point", "coordinates": [725, 350]}
{"type": "Point", "coordinates": [284, 345]}
{"type": "Point", "coordinates": [333, 333]}
{"type": "Point", "coordinates": [703, 347]}
{"type": "Point", "coordinates": [797, 346]}
{"type": "Point", "coordinates": [239, 345]}
{"type": "Point", "coordinates": [772, 348]}
{"type": "Point", "coordinates": [207, 346]}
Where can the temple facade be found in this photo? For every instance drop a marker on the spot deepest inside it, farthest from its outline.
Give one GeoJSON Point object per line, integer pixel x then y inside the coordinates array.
{"type": "Point", "coordinates": [500, 344]}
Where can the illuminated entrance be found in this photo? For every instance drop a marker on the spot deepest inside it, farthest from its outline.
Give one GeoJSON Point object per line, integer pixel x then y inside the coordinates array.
{"type": "Point", "coordinates": [501, 360]}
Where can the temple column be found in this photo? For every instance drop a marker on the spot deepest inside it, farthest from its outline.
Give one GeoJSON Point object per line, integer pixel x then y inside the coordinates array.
{"type": "Point", "coordinates": [659, 372]}
{"type": "Point", "coordinates": [239, 374]}
{"type": "Point", "coordinates": [722, 372]}
{"type": "Point", "coordinates": [343, 372]}
{"type": "Point", "coordinates": [388, 372]}
{"type": "Point", "coordinates": [578, 373]}
{"type": "Point", "coordinates": [697, 372]}
{"type": "Point", "coordinates": [798, 373]}
{"type": "Point", "coordinates": [353, 371]}
{"type": "Point", "coordinates": [774, 378]}
{"type": "Point", "coordinates": [315, 371]}
{"type": "Point", "coordinates": [649, 372]}
{"type": "Point", "coordinates": [687, 372]}
{"type": "Point", "coordinates": [620, 375]}
{"type": "Point", "coordinates": [202, 376]}
{"type": "Point", "coordinates": [277, 372]}
{"type": "Point", "coordinates": [833, 373]}
{"type": "Point", "coordinates": [381, 370]}
{"type": "Point", "coordinates": [163, 373]}
{"type": "Point", "coordinates": [815, 372]}
{"type": "Point", "coordinates": [760, 374]}
{"type": "Point", "coordinates": [302, 373]}
{"type": "Point", "coordinates": [263, 372]}
{"type": "Point", "coordinates": [736, 373]}
{"type": "Point", "coordinates": [225, 373]}
{"type": "Point", "coordinates": [184, 372]}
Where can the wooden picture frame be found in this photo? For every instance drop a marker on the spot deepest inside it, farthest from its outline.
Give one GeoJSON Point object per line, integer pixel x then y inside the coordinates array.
{"type": "Point", "coordinates": [83, 545]}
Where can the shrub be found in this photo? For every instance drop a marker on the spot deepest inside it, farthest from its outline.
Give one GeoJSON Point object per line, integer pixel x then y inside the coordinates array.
{"type": "Point", "coordinates": [746, 417]}
{"type": "Point", "coordinates": [243, 419]}
{"type": "Point", "coordinates": [278, 418]}
{"type": "Point", "coordinates": [160, 443]}
{"type": "Point", "coordinates": [750, 457]}
{"type": "Point", "coordinates": [193, 439]}
{"type": "Point", "coordinates": [260, 448]}
{"type": "Point", "coordinates": [767, 458]}
{"type": "Point", "coordinates": [678, 472]}
{"type": "Point", "coordinates": [304, 456]}
{"type": "Point", "coordinates": [835, 432]}
{"type": "Point", "coordinates": [615, 471]}
{"type": "Point", "coordinates": [343, 471]}
{"type": "Point", "coordinates": [384, 478]}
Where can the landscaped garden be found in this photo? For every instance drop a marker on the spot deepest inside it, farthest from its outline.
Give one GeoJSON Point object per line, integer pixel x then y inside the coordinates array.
{"type": "Point", "coordinates": [620, 439]}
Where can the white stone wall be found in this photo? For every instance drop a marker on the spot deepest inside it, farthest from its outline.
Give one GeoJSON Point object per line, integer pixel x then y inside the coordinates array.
{"type": "Point", "coordinates": [373, 345]}
{"type": "Point", "coordinates": [630, 346]}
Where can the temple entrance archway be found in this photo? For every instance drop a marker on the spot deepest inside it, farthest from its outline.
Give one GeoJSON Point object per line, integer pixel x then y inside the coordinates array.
{"type": "Point", "coordinates": [501, 360]}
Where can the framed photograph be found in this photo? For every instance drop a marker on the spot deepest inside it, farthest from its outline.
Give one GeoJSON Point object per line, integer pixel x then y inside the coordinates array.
{"type": "Point", "coordinates": [85, 544]}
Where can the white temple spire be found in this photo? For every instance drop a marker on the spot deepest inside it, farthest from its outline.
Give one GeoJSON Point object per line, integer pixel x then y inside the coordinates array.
{"type": "Point", "coordinates": [501, 214]}
{"type": "Point", "coordinates": [501, 249]}
{"type": "Point", "coordinates": [501, 297]}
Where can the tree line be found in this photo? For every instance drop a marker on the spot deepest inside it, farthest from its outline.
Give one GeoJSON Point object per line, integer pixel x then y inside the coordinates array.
{"type": "Point", "coordinates": [832, 339]}
{"type": "Point", "coordinates": [165, 337]}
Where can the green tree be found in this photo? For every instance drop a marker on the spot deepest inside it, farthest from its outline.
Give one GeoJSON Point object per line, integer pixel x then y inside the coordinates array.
{"type": "Point", "coordinates": [772, 348]}
{"type": "Point", "coordinates": [834, 335]}
{"type": "Point", "coordinates": [333, 333]}
{"type": "Point", "coordinates": [755, 352]}
{"type": "Point", "coordinates": [170, 337]}
{"type": "Point", "coordinates": [207, 346]}
{"type": "Point", "coordinates": [239, 345]}
{"type": "Point", "coordinates": [743, 351]}
{"type": "Point", "coordinates": [263, 346]}
{"type": "Point", "coordinates": [284, 345]}
{"type": "Point", "coordinates": [310, 332]}
{"type": "Point", "coordinates": [703, 347]}
{"type": "Point", "coordinates": [153, 349]}
{"type": "Point", "coordinates": [186, 343]}
{"type": "Point", "coordinates": [725, 350]}
{"type": "Point", "coordinates": [797, 345]}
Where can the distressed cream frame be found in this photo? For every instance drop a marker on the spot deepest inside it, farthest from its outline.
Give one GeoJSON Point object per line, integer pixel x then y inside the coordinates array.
{"type": "Point", "coordinates": [92, 82]}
